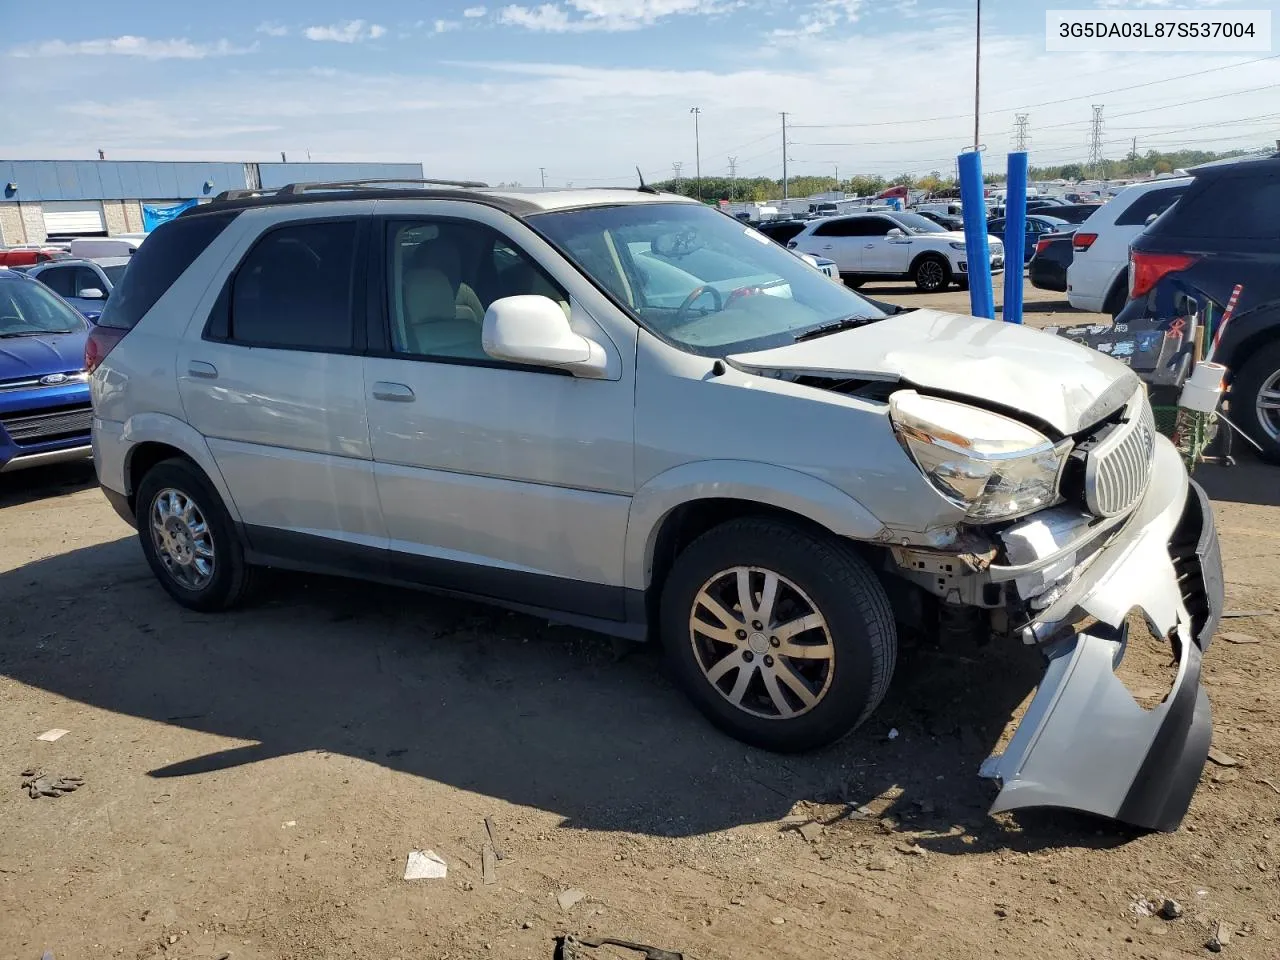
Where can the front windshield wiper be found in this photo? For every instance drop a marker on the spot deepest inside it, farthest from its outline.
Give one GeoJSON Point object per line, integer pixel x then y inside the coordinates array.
{"type": "Point", "coordinates": [30, 333]}
{"type": "Point", "coordinates": [846, 323]}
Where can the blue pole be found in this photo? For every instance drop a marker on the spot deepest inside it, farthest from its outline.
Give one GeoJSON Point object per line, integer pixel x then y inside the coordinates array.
{"type": "Point", "coordinates": [1015, 236]}
{"type": "Point", "coordinates": [977, 249]}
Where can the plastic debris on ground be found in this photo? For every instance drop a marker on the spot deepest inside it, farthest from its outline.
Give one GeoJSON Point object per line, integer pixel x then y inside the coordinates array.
{"type": "Point", "coordinates": [425, 865]}
{"type": "Point", "coordinates": [51, 735]}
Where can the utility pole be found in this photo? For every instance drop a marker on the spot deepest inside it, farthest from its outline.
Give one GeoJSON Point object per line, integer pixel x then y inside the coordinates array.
{"type": "Point", "coordinates": [977, 72]}
{"type": "Point", "coordinates": [733, 177]}
{"type": "Point", "coordinates": [1020, 121]}
{"type": "Point", "coordinates": [677, 167]}
{"type": "Point", "coordinates": [1133, 152]}
{"type": "Point", "coordinates": [1095, 140]}
{"type": "Point", "coordinates": [784, 157]}
{"type": "Point", "coordinates": [697, 149]}
{"type": "Point", "coordinates": [543, 171]}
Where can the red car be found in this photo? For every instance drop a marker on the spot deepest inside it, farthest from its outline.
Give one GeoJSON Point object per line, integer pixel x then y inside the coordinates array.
{"type": "Point", "coordinates": [29, 256]}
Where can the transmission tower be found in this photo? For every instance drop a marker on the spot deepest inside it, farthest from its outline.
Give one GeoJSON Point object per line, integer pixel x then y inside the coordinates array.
{"type": "Point", "coordinates": [1020, 122]}
{"type": "Point", "coordinates": [1095, 139]}
{"type": "Point", "coordinates": [677, 167]}
{"type": "Point", "coordinates": [733, 177]}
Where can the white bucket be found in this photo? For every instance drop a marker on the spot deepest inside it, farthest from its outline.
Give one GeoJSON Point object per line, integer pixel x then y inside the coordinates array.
{"type": "Point", "coordinates": [1203, 389]}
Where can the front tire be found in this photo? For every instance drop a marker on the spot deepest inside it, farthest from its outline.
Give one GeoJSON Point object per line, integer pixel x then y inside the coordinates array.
{"type": "Point", "coordinates": [784, 639]}
{"type": "Point", "coordinates": [188, 538]}
{"type": "Point", "coordinates": [931, 274]}
{"type": "Point", "coordinates": [1255, 400]}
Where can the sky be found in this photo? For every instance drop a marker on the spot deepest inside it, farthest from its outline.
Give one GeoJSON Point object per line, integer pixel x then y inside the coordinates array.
{"type": "Point", "coordinates": [582, 92]}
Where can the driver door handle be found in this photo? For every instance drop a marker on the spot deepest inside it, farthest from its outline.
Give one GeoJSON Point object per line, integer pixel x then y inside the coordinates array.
{"type": "Point", "coordinates": [394, 392]}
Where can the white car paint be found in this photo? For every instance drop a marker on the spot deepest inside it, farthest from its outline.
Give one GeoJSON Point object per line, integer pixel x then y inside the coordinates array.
{"type": "Point", "coordinates": [885, 255]}
{"type": "Point", "coordinates": [1095, 272]}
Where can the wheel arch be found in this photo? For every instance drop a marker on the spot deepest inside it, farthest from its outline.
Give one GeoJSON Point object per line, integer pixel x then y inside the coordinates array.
{"type": "Point", "coordinates": [674, 508]}
{"type": "Point", "coordinates": [152, 438]}
{"type": "Point", "coordinates": [930, 255]}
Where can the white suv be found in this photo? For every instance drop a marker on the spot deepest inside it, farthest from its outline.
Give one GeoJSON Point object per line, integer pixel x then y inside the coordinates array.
{"type": "Point", "coordinates": [631, 413]}
{"type": "Point", "coordinates": [893, 246]}
{"type": "Point", "coordinates": [1098, 277]}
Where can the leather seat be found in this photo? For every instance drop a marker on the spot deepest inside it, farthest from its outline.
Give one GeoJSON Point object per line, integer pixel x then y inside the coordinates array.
{"type": "Point", "coordinates": [443, 256]}
{"type": "Point", "coordinates": [434, 322]}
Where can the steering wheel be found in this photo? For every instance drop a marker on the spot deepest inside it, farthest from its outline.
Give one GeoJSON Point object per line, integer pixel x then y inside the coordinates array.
{"type": "Point", "coordinates": [682, 312]}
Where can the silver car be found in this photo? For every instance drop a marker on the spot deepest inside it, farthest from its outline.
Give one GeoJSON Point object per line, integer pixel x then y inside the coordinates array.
{"type": "Point", "coordinates": [631, 413]}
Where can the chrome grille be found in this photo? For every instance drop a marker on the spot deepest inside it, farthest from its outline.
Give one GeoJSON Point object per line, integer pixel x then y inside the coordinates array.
{"type": "Point", "coordinates": [47, 426]}
{"type": "Point", "coordinates": [1119, 467]}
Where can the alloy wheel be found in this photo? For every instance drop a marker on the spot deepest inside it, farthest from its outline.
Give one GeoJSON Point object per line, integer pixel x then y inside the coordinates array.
{"type": "Point", "coordinates": [1267, 406]}
{"type": "Point", "coordinates": [762, 643]}
{"type": "Point", "coordinates": [931, 275]}
{"type": "Point", "coordinates": [182, 539]}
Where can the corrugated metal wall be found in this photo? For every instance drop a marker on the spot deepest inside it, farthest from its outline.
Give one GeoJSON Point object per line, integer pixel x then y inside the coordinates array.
{"type": "Point", "coordinates": [36, 180]}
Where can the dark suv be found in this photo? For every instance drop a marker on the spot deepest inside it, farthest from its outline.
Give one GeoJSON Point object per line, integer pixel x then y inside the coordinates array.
{"type": "Point", "coordinates": [1224, 231]}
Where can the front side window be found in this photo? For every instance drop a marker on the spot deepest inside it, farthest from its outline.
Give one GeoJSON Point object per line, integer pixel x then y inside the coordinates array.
{"type": "Point", "coordinates": [29, 310]}
{"type": "Point", "coordinates": [115, 273]}
{"type": "Point", "coordinates": [442, 277]}
{"type": "Point", "coordinates": [914, 223]}
{"type": "Point", "coordinates": [698, 278]}
{"type": "Point", "coordinates": [295, 288]}
{"type": "Point", "coordinates": [88, 279]}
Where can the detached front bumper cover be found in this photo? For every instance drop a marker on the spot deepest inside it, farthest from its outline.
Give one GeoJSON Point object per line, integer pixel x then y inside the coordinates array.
{"type": "Point", "coordinates": [1085, 743]}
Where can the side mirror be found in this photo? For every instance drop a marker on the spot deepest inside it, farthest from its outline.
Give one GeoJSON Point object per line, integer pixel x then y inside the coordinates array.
{"type": "Point", "coordinates": [1151, 219]}
{"type": "Point", "coordinates": [534, 330]}
{"type": "Point", "coordinates": [91, 293]}
{"type": "Point", "coordinates": [896, 233]}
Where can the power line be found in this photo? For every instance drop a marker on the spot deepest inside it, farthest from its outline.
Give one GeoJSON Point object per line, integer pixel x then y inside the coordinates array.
{"type": "Point", "coordinates": [1181, 103]}
{"type": "Point", "coordinates": [1045, 103]}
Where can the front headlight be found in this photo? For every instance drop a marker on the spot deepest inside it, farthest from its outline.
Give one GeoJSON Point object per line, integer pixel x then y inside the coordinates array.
{"type": "Point", "coordinates": [957, 244]}
{"type": "Point", "coordinates": [994, 467]}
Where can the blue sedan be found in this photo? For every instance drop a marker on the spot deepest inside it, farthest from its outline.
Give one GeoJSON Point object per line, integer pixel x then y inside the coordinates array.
{"type": "Point", "coordinates": [45, 413]}
{"type": "Point", "coordinates": [1037, 225]}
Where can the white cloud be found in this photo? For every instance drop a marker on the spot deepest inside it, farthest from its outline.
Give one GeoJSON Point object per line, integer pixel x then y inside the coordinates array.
{"type": "Point", "coordinates": [472, 12]}
{"type": "Point", "coordinates": [348, 31]}
{"type": "Point", "coordinates": [582, 16]}
{"type": "Point", "coordinates": [444, 26]}
{"type": "Point", "coordinates": [130, 46]}
{"type": "Point", "coordinates": [272, 29]}
{"type": "Point", "coordinates": [1161, 4]}
{"type": "Point", "coordinates": [822, 16]}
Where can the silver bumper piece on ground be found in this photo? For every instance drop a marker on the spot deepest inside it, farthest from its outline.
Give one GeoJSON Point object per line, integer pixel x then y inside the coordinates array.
{"type": "Point", "coordinates": [1085, 743]}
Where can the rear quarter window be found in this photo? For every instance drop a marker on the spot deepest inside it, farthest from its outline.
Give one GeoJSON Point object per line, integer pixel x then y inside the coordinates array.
{"type": "Point", "coordinates": [165, 256]}
{"type": "Point", "coordinates": [1151, 203]}
{"type": "Point", "coordinates": [1244, 208]}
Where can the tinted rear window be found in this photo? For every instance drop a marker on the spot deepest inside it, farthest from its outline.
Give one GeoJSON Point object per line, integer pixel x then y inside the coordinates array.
{"type": "Point", "coordinates": [1152, 203]}
{"type": "Point", "coordinates": [1246, 208]}
{"type": "Point", "coordinates": [167, 252]}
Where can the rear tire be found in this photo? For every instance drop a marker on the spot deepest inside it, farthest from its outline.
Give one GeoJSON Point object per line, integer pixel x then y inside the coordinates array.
{"type": "Point", "coordinates": [931, 273]}
{"type": "Point", "coordinates": [1117, 296]}
{"type": "Point", "coordinates": [812, 657]}
{"type": "Point", "coordinates": [1255, 400]}
{"type": "Point", "coordinates": [189, 540]}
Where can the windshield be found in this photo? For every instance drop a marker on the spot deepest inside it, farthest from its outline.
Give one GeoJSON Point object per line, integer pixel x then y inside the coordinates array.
{"type": "Point", "coordinates": [700, 279]}
{"type": "Point", "coordinates": [29, 309]}
{"type": "Point", "coordinates": [115, 273]}
{"type": "Point", "coordinates": [915, 223]}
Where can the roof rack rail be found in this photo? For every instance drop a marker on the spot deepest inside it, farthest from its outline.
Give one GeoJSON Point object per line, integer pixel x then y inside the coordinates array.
{"type": "Point", "coordinates": [241, 193]}
{"type": "Point", "coordinates": [293, 189]}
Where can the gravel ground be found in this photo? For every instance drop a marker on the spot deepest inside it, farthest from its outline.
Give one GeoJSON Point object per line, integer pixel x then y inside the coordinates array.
{"type": "Point", "coordinates": [255, 780]}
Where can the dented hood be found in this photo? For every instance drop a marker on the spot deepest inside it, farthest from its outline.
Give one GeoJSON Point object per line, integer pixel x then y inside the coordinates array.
{"type": "Point", "coordinates": [1065, 385]}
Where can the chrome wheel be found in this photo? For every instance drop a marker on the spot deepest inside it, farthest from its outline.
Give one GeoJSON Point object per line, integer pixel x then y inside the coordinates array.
{"type": "Point", "coordinates": [182, 539]}
{"type": "Point", "coordinates": [1268, 406]}
{"type": "Point", "coordinates": [930, 275]}
{"type": "Point", "coordinates": [762, 643]}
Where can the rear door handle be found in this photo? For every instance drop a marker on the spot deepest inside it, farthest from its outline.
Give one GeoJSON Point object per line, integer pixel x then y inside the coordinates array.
{"type": "Point", "coordinates": [827, 247]}
{"type": "Point", "coordinates": [206, 371]}
{"type": "Point", "coordinates": [394, 392]}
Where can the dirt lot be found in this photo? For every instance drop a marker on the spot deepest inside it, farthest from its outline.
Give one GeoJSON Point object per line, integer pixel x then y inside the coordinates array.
{"type": "Point", "coordinates": [255, 780]}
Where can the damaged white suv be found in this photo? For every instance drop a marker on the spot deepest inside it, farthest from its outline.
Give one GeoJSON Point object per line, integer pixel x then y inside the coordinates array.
{"type": "Point", "coordinates": [630, 412]}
